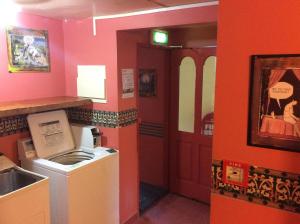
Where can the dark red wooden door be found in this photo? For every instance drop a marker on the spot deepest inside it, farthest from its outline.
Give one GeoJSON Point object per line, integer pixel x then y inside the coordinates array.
{"type": "Point", "coordinates": [190, 152]}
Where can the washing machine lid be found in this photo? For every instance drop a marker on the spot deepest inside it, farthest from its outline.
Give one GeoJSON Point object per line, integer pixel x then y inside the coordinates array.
{"type": "Point", "coordinates": [51, 133]}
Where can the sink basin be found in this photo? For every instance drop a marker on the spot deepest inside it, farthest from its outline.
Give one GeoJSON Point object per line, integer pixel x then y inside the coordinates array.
{"type": "Point", "coordinates": [24, 195]}
{"type": "Point", "coordinates": [13, 179]}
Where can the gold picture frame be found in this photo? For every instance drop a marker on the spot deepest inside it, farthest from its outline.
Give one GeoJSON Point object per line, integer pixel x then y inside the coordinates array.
{"type": "Point", "coordinates": [28, 50]}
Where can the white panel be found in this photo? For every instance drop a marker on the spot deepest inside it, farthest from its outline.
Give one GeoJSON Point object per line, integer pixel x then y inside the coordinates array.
{"type": "Point", "coordinates": [91, 82]}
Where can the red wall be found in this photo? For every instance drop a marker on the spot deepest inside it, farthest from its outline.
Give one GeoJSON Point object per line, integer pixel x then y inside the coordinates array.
{"type": "Point", "coordinates": [16, 86]}
{"type": "Point", "coordinates": [127, 58]}
{"type": "Point", "coordinates": [81, 47]}
{"type": "Point", "coordinates": [245, 28]}
{"type": "Point", "coordinates": [195, 36]}
{"type": "Point", "coordinates": [153, 150]}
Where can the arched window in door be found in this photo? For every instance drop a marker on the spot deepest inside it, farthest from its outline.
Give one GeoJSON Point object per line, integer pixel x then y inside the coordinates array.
{"type": "Point", "coordinates": [187, 88]}
{"type": "Point", "coordinates": [208, 95]}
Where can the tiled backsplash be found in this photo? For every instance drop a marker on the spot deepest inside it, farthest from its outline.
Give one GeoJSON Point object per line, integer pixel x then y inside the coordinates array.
{"type": "Point", "coordinates": [14, 124]}
{"type": "Point", "coordinates": [103, 118]}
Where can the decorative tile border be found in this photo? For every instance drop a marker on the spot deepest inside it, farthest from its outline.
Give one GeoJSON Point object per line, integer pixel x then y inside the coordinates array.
{"type": "Point", "coordinates": [152, 129]}
{"type": "Point", "coordinates": [16, 124]}
{"type": "Point", "coordinates": [13, 125]}
{"type": "Point", "coordinates": [267, 187]}
{"type": "Point", "coordinates": [102, 118]}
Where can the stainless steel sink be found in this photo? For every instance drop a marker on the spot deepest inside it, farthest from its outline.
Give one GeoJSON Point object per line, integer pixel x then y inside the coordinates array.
{"type": "Point", "coordinates": [13, 179]}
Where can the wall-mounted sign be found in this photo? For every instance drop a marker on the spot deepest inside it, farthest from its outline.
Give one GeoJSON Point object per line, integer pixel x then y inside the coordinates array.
{"type": "Point", "coordinates": [127, 83]}
{"type": "Point", "coordinates": [159, 37]}
{"type": "Point", "coordinates": [91, 82]}
{"type": "Point", "coordinates": [235, 173]}
{"type": "Point", "coordinates": [27, 50]}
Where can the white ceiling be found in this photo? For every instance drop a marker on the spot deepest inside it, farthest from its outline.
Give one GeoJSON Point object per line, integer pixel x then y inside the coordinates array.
{"type": "Point", "coordinates": [75, 9]}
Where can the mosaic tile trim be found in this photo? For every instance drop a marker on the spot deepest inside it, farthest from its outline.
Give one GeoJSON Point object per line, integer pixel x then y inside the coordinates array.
{"type": "Point", "coordinates": [102, 118]}
{"type": "Point", "coordinates": [16, 124]}
{"type": "Point", "coordinates": [13, 125]}
{"type": "Point", "coordinates": [267, 187]}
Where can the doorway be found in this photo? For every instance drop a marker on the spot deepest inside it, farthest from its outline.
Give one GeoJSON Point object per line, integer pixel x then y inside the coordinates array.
{"type": "Point", "coordinates": [153, 63]}
{"type": "Point", "coordinates": [176, 115]}
{"type": "Point", "coordinates": [191, 129]}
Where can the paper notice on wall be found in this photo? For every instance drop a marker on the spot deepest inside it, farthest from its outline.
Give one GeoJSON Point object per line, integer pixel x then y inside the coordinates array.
{"type": "Point", "coordinates": [91, 82]}
{"type": "Point", "coordinates": [127, 83]}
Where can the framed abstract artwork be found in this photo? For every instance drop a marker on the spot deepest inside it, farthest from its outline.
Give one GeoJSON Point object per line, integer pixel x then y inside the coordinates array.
{"type": "Point", "coordinates": [28, 50]}
{"type": "Point", "coordinates": [147, 82]}
{"type": "Point", "coordinates": [274, 104]}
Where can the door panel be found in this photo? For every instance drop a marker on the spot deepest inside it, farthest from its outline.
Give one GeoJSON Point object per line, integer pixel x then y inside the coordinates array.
{"type": "Point", "coordinates": [190, 151]}
{"type": "Point", "coordinates": [185, 156]}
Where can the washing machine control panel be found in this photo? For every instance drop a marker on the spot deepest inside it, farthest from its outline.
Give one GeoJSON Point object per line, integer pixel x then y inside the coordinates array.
{"type": "Point", "coordinates": [26, 149]}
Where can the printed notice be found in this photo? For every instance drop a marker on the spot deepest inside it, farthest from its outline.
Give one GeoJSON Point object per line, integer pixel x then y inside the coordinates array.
{"type": "Point", "coordinates": [52, 133]}
{"type": "Point", "coordinates": [127, 83]}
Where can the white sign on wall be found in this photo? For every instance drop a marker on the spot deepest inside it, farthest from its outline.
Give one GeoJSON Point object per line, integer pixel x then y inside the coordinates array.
{"type": "Point", "coordinates": [91, 82]}
{"type": "Point", "coordinates": [127, 83]}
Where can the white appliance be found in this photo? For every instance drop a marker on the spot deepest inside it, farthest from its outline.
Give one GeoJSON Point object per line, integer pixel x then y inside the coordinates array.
{"type": "Point", "coordinates": [86, 136]}
{"type": "Point", "coordinates": [24, 195]}
{"type": "Point", "coordinates": [84, 183]}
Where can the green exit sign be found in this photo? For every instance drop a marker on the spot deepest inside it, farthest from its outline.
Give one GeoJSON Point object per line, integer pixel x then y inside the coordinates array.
{"type": "Point", "coordinates": [160, 37]}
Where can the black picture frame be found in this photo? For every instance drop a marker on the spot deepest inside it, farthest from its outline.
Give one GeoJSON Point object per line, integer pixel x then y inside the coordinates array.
{"type": "Point", "coordinates": [274, 102]}
{"type": "Point", "coordinates": [147, 82]}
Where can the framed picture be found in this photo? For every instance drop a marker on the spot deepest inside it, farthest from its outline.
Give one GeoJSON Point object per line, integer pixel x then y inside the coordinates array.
{"type": "Point", "coordinates": [27, 50]}
{"type": "Point", "coordinates": [147, 82]}
{"type": "Point", "coordinates": [274, 105]}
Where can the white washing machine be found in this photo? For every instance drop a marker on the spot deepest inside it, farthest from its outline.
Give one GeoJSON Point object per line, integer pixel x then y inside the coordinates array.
{"type": "Point", "coordinates": [84, 183]}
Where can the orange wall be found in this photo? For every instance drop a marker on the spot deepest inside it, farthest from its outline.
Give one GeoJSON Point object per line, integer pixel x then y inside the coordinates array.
{"type": "Point", "coordinates": [244, 28]}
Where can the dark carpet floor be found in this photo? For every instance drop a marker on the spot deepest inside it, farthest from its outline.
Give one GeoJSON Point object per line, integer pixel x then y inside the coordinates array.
{"type": "Point", "coordinates": [149, 195]}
